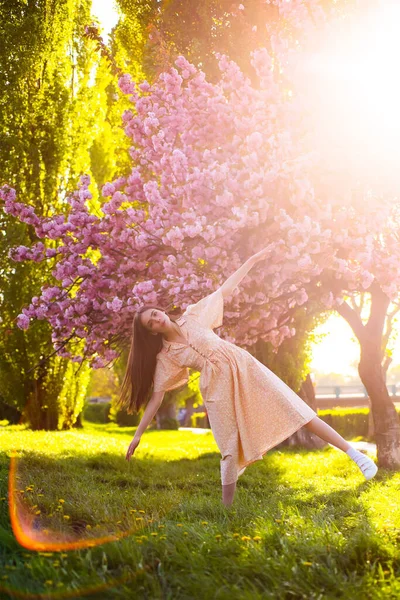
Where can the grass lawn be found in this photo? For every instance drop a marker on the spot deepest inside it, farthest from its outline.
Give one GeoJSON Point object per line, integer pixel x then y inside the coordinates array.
{"type": "Point", "coordinates": [302, 525]}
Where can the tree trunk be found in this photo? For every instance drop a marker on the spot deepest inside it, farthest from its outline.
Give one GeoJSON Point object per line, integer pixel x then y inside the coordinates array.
{"type": "Point", "coordinates": [372, 370]}
{"type": "Point", "coordinates": [371, 429]}
{"type": "Point", "coordinates": [303, 437]}
{"type": "Point", "coordinates": [78, 423]}
{"type": "Point", "coordinates": [189, 411]}
{"type": "Point", "coordinates": [33, 411]}
{"type": "Point", "coordinates": [165, 413]}
{"type": "Point", "coordinates": [386, 419]}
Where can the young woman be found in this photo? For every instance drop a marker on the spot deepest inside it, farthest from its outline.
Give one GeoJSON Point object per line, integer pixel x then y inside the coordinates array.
{"type": "Point", "coordinates": [249, 408]}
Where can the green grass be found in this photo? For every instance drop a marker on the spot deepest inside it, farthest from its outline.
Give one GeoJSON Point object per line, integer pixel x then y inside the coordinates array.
{"type": "Point", "coordinates": [303, 524]}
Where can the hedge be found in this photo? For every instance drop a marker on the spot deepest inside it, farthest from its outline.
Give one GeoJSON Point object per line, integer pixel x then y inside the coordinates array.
{"type": "Point", "coordinates": [348, 422]}
{"type": "Point", "coordinates": [103, 412]}
{"type": "Point", "coordinates": [97, 413]}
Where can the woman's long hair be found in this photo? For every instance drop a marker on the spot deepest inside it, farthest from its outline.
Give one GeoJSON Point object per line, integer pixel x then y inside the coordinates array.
{"type": "Point", "coordinates": [138, 379]}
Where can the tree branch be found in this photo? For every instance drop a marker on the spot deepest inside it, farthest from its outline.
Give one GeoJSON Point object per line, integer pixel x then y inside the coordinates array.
{"type": "Point", "coordinates": [353, 319]}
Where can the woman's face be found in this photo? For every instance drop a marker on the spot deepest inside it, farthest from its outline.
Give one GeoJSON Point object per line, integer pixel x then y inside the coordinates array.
{"type": "Point", "coordinates": [155, 321]}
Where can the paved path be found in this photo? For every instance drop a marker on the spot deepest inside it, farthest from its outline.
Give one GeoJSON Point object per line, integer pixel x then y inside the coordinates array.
{"type": "Point", "coordinates": [368, 446]}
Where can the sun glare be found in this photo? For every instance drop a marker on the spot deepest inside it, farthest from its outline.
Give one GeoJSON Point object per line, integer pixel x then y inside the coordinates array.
{"type": "Point", "coordinates": [107, 14]}
{"type": "Point", "coordinates": [351, 82]}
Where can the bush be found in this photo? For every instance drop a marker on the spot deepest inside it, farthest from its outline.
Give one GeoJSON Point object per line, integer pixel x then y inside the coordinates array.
{"type": "Point", "coordinates": [97, 413]}
{"type": "Point", "coordinates": [169, 423]}
{"type": "Point", "coordinates": [199, 419]}
{"type": "Point", "coordinates": [124, 420]}
{"type": "Point", "coordinates": [10, 413]}
{"type": "Point", "coordinates": [348, 422]}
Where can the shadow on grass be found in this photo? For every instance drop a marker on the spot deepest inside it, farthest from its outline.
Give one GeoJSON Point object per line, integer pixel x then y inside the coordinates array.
{"type": "Point", "coordinates": [313, 536]}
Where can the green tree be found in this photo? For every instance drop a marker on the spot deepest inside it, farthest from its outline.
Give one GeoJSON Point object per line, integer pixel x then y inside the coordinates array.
{"type": "Point", "coordinates": [49, 116]}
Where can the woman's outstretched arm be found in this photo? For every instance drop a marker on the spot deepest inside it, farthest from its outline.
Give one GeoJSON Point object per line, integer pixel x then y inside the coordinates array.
{"type": "Point", "coordinates": [148, 415]}
{"type": "Point", "coordinates": [233, 280]}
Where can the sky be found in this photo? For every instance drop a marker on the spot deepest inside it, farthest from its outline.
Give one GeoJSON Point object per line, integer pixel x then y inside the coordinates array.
{"type": "Point", "coordinates": [107, 14]}
{"type": "Point", "coordinates": [338, 350]}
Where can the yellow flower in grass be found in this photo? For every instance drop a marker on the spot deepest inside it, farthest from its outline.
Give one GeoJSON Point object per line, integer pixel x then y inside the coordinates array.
{"type": "Point", "coordinates": [161, 526]}
{"type": "Point", "coordinates": [154, 533]}
{"type": "Point", "coordinates": [204, 522]}
{"type": "Point", "coordinates": [40, 495]}
{"type": "Point", "coordinates": [67, 517]}
{"type": "Point", "coordinates": [218, 536]}
{"type": "Point", "coordinates": [56, 563]}
{"type": "Point", "coordinates": [257, 538]}
{"type": "Point", "coordinates": [245, 537]}
{"type": "Point", "coordinates": [87, 527]}
{"type": "Point", "coordinates": [61, 500]}
{"type": "Point", "coordinates": [64, 555]}
{"type": "Point", "coordinates": [185, 533]}
{"type": "Point", "coordinates": [142, 511]}
{"type": "Point", "coordinates": [236, 534]}
{"type": "Point", "coordinates": [179, 525]}
{"type": "Point", "coordinates": [133, 510]}
{"type": "Point", "coordinates": [307, 564]}
{"type": "Point", "coordinates": [37, 512]}
{"type": "Point", "coordinates": [48, 582]}
{"type": "Point", "coordinates": [278, 520]}
{"type": "Point", "coordinates": [139, 519]}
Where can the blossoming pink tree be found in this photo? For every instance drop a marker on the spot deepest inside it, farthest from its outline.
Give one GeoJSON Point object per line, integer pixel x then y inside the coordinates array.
{"type": "Point", "coordinates": [218, 172]}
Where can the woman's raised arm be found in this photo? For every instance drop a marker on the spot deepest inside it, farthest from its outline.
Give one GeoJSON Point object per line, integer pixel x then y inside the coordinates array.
{"type": "Point", "coordinates": [233, 280]}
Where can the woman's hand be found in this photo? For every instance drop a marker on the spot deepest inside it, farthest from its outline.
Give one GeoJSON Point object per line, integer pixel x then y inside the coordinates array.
{"type": "Point", "coordinates": [132, 447]}
{"type": "Point", "coordinates": [262, 253]}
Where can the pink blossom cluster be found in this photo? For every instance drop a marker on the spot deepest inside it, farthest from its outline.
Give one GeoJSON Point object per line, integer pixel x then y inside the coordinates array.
{"type": "Point", "coordinates": [218, 172]}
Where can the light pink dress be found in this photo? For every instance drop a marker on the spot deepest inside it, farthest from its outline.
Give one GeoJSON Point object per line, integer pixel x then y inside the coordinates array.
{"type": "Point", "coordinates": [250, 409]}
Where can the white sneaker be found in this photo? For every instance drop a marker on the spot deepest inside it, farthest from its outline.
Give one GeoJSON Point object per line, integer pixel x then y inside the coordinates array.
{"type": "Point", "coordinates": [366, 465]}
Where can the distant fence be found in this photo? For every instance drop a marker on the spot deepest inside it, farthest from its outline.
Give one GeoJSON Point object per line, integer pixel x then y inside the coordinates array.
{"type": "Point", "coordinates": [348, 391]}
{"type": "Point", "coordinates": [349, 396]}
{"type": "Point", "coordinates": [98, 399]}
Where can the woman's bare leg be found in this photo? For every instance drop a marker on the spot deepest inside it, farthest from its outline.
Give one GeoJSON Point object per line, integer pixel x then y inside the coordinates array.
{"type": "Point", "coordinates": [317, 426]}
{"type": "Point", "coordinates": [228, 492]}
{"type": "Point", "coordinates": [327, 433]}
